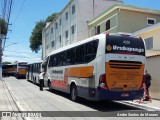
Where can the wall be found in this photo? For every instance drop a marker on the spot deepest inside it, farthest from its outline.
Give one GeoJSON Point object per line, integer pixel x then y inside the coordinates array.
{"type": "Point", "coordinates": [88, 11]}
{"type": "Point", "coordinates": [153, 67]}
{"type": "Point", "coordinates": [128, 19]}
{"type": "Point", "coordinates": [156, 37]}
{"type": "Point", "coordinates": [131, 21]}
{"type": "Point", "coordinates": [113, 17]}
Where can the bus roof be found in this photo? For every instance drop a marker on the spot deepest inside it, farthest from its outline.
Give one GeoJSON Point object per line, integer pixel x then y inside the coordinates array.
{"type": "Point", "coordinates": [76, 44]}
{"type": "Point", "coordinates": [35, 62]}
{"type": "Point", "coordinates": [91, 39]}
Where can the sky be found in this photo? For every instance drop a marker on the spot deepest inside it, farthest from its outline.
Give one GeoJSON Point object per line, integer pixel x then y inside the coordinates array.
{"type": "Point", "coordinates": [25, 14]}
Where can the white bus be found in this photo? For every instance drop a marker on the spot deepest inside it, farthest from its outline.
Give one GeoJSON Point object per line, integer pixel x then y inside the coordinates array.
{"type": "Point", "coordinates": [103, 67]}
{"type": "Point", "coordinates": [33, 71]}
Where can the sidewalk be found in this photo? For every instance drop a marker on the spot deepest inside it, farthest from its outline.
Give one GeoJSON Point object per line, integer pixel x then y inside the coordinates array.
{"type": "Point", "coordinates": [153, 105]}
{"type": "Point", "coordinates": [6, 100]}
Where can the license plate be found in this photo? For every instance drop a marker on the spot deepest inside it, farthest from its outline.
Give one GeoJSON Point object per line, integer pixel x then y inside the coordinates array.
{"type": "Point", "coordinates": [124, 95]}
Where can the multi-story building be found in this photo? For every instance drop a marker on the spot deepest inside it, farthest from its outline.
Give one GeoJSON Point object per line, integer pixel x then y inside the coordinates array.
{"type": "Point", "coordinates": [71, 25]}
{"type": "Point", "coordinates": [123, 18]}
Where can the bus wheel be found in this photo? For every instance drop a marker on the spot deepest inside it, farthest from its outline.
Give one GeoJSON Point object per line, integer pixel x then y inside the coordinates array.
{"type": "Point", "coordinates": [73, 93]}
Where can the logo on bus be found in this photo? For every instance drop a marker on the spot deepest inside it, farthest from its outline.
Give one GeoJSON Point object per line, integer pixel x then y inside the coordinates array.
{"type": "Point", "coordinates": [109, 48]}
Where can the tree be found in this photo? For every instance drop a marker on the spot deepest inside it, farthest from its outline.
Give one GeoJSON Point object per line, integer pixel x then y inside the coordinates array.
{"type": "Point", "coordinates": [51, 17]}
{"type": "Point", "coordinates": [3, 26]}
{"type": "Point", "coordinates": [36, 36]}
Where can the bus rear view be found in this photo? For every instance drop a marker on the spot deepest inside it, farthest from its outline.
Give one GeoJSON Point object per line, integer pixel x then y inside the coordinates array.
{"type": "Point", "coordinates": [124, 68]}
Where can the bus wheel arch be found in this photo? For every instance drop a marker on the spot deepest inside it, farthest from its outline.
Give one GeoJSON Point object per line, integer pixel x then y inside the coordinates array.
{"type": "Point", "coordinates": [73, 92]}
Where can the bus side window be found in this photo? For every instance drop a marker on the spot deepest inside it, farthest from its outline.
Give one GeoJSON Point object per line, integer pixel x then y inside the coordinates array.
{"type": "Point", "coordinates": [56, 61]}
{"type": "Point", "coordinates": [68, 57]}
{"type": "Point", "coordinates": [80, 54]}
{"type": "Point", "coordinates": [51, 61]}
{"type": "Point", "coordinates": [62, 58]}
{"type": "Point", "coordinates": [72, 56]}
{"type": "Point", "coordinates": [90, 51]}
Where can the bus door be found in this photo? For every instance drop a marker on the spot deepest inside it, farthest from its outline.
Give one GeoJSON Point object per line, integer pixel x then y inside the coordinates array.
{"type": "Point", "coordinates": [46, 70]}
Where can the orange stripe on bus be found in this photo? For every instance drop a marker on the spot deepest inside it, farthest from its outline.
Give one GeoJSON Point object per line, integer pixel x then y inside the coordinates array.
{"type": "Point", "coordinates": [81, 72]}
{"type": "Point", "coordinates": [59, 84]}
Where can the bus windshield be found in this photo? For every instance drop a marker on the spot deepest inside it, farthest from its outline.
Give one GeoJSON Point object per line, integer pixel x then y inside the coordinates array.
{"type": "Point", "coordinates": [125, 45]}
{"type": "Point", "coordinates": [22, 65]}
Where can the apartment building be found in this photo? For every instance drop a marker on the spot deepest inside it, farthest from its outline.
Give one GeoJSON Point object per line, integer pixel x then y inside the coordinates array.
{"type": "Point", "coordinates": [71, 25]}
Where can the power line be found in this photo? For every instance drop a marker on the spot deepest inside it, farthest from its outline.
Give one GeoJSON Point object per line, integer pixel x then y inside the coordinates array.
{"type": "Point", "coordinates": [19, 11]}
{"type": "Point", "coordinates": [14, 56]}
{"type": "Point", "coordinates": [6, 13]}
{"type": "Point", "coordinates": [21, 52]}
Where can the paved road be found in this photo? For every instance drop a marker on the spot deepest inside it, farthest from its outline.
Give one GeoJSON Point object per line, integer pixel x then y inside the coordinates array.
{"type": "Point", "coordinates": [28, 97]}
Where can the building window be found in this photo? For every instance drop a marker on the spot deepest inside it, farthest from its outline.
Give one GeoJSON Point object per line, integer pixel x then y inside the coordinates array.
{"type": "Point", "coordinates": [66, 15]}
{"type": "Point", "coordinates": [66, 34]}
{"type": "Point", "coordinates": [73, 9]}
{"type": "Point", "coordinates": [60, 22]}
{"type": "Point", "coordinates": [151, 21]}
{"type": "Point", "coordinates": [52, 43]}
{"type": "Point", "coordinates": [60, 38]}
{"type": "Point", "coordinates": [98, 30]}
{"type": "Point", "coordinates": [56, 25]}
{"type": "Point", "coordinates": [149, 43]}
{"type": "Point", "coordinates": [72, 29]}
{"type": "Point", "coordinates": [107, 25]}
{"type": "Point", "coordinates": [51, 29]}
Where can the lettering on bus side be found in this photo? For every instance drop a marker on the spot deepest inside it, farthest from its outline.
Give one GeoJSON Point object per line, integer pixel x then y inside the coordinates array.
{"type": "Point", "coordinates": [57, 71]}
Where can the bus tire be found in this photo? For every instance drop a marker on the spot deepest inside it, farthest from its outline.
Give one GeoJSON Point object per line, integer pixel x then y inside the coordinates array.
{"type": "Point", "coordinates": [73, 93]}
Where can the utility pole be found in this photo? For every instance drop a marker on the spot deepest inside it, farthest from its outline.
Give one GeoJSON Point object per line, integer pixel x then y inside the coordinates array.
{"type": "Point", "coordinates": [0, 54]}
{"type": "Point", "coordinates": [93, 9]}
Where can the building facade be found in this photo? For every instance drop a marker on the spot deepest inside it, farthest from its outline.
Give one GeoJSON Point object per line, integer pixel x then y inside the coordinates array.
{"type": "Point", "coordinates": [151, 36]}
{"type": "Point", "coordinates": [153, 68]}
{"type": "Point", "coordinates": [71, 25]}
{"type": "Point", "coordinates": [152, 40]}
{"type": "Point", "coordinates": [123, 18]}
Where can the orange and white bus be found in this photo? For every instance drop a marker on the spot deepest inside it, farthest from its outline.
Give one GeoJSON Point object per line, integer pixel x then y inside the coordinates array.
{"type": "Point", "coordinates": [9, 70]}
{"type": "Point", "coordinates": [103, 67]}
{"type": "Point", "coordinates": [21, 69]}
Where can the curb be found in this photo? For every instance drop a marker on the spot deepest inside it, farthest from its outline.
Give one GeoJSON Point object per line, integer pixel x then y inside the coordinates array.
{"type": "Point", "coordinates": [139, 105]}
